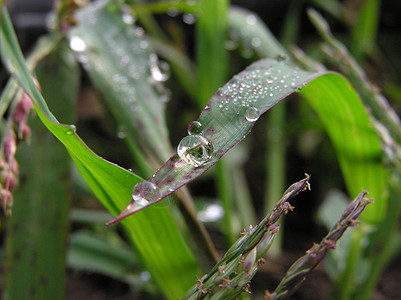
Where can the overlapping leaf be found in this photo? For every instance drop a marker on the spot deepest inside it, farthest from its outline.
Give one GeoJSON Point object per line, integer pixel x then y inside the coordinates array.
{"type": "Point", "coordinates": [122, 66]}
{"type": "Point", "coordinates": [153, 231]}
{"type": "Point", "coordinates": [225, 122]}
{"type": "Point", "coordinates": [341, 111]}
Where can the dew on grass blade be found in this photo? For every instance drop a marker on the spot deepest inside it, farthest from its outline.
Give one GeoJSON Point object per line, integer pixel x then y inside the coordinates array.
{"type": "Point", "coordinates": [194, 128]}
{"type": "Point", "coordinates": [195, 150]}
{"type": "Point", "coordinates": [252, 114]}
{"type": "Point", "coordinates": [141, 192]}
{"type": "Point", "coordinates": [71, 129]}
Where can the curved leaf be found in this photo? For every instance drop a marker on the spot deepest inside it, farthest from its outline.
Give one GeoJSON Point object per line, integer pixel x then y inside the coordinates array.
{"type": "Point", "coordinates": [224, 121]}
{"type": "Point", "coordinates": [120, 64]}
{"type": "Point", "coordinates": [159, 242]}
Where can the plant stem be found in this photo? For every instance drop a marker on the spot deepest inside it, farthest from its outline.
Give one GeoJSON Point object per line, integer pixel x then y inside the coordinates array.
{"type": "Point", "coordinates": [275, 165]}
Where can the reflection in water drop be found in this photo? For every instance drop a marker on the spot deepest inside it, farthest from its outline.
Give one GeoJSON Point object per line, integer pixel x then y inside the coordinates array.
{"type": "Point", "coordinates": [141, 191]}
{"type": "Point", "coordinates": [252, 114]}
{"type": "Point", "coordinates": [195, 127]}
{"type": "Point", "coordinates": [77, 44]}
{"type": "Point", "coordinates": [195, 150]}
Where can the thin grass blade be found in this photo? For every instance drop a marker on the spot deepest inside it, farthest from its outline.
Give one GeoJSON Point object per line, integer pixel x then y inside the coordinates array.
{"type": "Point", "coordinates": [227, 118]}
{"type": "Point", "coordinates": [160, 243]}
{"type": "Point", "coordinates": [123, 67]}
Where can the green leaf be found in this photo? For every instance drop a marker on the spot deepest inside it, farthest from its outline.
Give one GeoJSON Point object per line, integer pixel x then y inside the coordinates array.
{"type": "Point", "coordinates": [247, 28]}
{"type": "Point", "coordinates": [212, 58]}
{"type": "Point", "coordinates": [341, 111]}
{"type": "Point", "coordinates": [227, 118]}
{"type": "Point", "coordinates": [351, 132]}
{"type": "Point", "coordinates": [36, 265]}
{"type": "Point", "coordinates": [153, 231]}
{"type": "Point", "coordinates": [93, 253]}
{"type": "Point", "coordinates": [126, 72]}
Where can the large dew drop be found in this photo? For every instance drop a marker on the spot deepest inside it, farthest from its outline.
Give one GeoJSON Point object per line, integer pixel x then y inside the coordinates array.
{"type": "Point", "coordinates": [252, 114]}
{"type": "Point", "coordinates": [195, 127]}
{"type": "Point", "coordinates": [195, 150]}
{"type": "Point", "coordinates": [141, 191]}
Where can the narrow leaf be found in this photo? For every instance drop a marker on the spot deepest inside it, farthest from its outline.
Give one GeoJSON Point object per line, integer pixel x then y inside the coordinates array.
{"type": "Point", "coordinates": [122, 66]}
{"type": "Point", "coordinates": [160, 243]}
{"type": "Point", "coordinates": [227, 118]}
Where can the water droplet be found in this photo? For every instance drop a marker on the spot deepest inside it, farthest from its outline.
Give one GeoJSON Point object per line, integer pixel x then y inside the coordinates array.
{"type": "Point", "coordinates": [141, 192]}
{"type": "Point", "coordinates": [251, 19]}
{"type": "Point", "coordinates": [256, 42]}
{"type": "Point", "coordinates": [160, 70]}
{"type": "Point", "coordinates": [139, 31]}
{"type": "Point", "coordinates": [122, 132]}
{"type": "Point", "coordinates": [195, 150]}
{"type": "Point", "coordinates": [282, 57]}
{"type": "Point", "coordinates": [71, 129]}
{"type": "Point", "coordinates": [252, 114]}
{"type": "Point", "coordinates": [195, 127]}
{"type": "Point", "coordinates": [77, 44]}
{"type": "Point", "coordinates": [172, 11]}
{"type": "Point", "coordinates": [189, 19]}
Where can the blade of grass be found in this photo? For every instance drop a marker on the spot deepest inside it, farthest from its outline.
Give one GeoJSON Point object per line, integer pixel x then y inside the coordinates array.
{"type": "Point", "coordinates": [122, 71]}
{"type": "Point", "coordinates": [259, 87]}
{"type": "Point", "coordinates": [36, 265]}
{"type": "Point", "coordinates": [212, 67]}
{"type": "Point", "coordinates": [365, 30]}
{"type": "Point", "coordinates": [160, 243]}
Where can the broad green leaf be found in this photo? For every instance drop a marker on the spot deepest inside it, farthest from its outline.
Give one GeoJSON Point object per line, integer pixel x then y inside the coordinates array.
{"type": "Point", "coordinates": [122, 66]}
{"type": "Point", "coordinates": [227, 118]}
{"type": "Point", "coordinates": [341, 111]}
{"type": "Point", "coordinates": [36, 265]}
{"type": "Point", "coordinates": [153, 231]}
{"type": "Point", "coordinates": [352, 134]}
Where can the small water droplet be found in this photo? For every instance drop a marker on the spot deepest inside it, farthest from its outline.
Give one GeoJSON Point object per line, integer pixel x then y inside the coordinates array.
{"type": "Point", "coordinates": [77, 44]}
{"type": "Point", "coordinates": [139, 31]}
{"type": "Point", "coordinates": [141, 191]}
{"type": "Point", "coordinates": [251, 20]}
{"type": "Point", "coordinates": [189, 19]}
{"type": "Point", "coordinates": [122, 132]}
{"type": "Point", "coordinates": [256, 42]}
{"type": "Point", "coordinates": [160, 70]}
{"type": "Point", "coordinates": [195, 127]}
{"type": "Point", "coordinates": [195, 150]}
{"type": "Point", "coordinates": [282, 57]}
{"type": "Point", "coordinates": [72, 129]}
{"type": "Point", "coordinates": [252, 114]}
{"type": "Point", "coordinates": [172, 11]}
